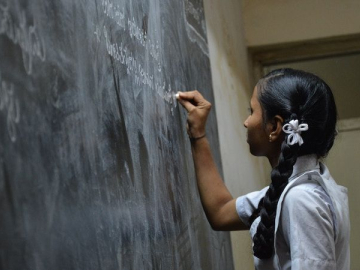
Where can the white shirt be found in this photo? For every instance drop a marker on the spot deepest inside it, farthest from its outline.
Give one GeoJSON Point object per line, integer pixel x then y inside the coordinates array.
{"type": "Point", "coordinates": [312, 227]}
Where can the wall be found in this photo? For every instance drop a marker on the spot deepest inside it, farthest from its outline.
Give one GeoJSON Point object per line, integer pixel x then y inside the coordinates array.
{"type": "Point", "coordinates": [341, 74]}
{"type": "Point", "coordinates": [347, 148]}
{"type": "Point", "coordinates": [278, 21]}
{"type": "Point", "coordinates": [242, 172]}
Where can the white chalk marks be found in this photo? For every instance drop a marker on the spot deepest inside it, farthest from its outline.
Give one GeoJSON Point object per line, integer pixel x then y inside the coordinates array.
{"type": "Point", "coordinates": [138, 34]}
{"type": "Point", "coordinates": [141, 72]}
{"type": "Point", "coordinates": [195, 12]}
{"type": "Point", "coordinates": [195, 24]}
{"type": "Point", "coordinates": [117, 13]}
{"type": "Point", "coordinates": [23, 34]}
{"type": "Point", "coordinates": [9, 105]}
{"type": "Point", "coordinates": [114, 12]}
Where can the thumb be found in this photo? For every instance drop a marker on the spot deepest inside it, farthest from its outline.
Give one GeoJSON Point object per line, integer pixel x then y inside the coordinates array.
{"type": "Point", "coordinates": [186, 104]}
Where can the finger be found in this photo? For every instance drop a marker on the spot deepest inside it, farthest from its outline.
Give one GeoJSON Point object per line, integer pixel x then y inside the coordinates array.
{"type": "Point", "coordinates": [186, 104]}
{"type": "Point", "coordinates": [194, 96]}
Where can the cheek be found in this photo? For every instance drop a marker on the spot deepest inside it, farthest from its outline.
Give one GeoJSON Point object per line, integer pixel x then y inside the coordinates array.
{"type": "Point", "coordinates": [257, 141]}
{"type": "Point", "coordinates": [254, 130]}
{"type": "Point", "coordinates": [250, 134]}
{"type": "Point", "coordinates": [253, 140]}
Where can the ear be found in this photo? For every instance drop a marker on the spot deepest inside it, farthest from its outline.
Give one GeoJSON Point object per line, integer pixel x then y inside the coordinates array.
{"type": "Point", "coordinates": [276, 128]}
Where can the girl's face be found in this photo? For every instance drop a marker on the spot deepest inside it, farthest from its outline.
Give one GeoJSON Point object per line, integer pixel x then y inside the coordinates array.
{"type": "Point", "coordinates": [257, 135]}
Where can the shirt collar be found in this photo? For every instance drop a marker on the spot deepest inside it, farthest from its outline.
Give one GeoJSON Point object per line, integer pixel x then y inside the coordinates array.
{"type": "Point", "coordinates": [303, 164]}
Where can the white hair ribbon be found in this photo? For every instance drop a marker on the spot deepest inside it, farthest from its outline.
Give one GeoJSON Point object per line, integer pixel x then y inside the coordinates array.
{"type": "Point", "coordinates": [294, 129]}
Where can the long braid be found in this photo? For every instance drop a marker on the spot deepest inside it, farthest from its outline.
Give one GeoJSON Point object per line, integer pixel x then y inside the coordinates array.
{"type": "Point", "coordinates": [264, 238]}
{"type": "Point", "coordinates": [275, 175]}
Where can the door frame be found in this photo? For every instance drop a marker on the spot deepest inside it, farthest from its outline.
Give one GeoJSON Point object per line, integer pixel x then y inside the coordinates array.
{"type": "Point", "coordinates": [266, 55]}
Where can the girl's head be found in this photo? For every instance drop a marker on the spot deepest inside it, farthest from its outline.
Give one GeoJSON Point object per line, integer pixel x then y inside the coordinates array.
{"type": "Point", "coordinates": [295, 94]}
{"type": "Point", "coordinates": [285, 95]}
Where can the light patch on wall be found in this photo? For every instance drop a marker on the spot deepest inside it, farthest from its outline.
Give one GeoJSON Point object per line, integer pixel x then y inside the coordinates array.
{"type": "Point", "coordinates": [341, 74]}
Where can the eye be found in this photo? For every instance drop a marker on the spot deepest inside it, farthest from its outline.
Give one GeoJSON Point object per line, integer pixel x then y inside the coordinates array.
{"type": "Point", "coordinates": [250, 110]}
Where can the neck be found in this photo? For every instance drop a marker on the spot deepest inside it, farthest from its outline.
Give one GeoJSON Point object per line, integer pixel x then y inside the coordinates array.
{"type": "Point", "coordinates": [273, 161]}
{"type": "Point", "coordinates": [274, 158]}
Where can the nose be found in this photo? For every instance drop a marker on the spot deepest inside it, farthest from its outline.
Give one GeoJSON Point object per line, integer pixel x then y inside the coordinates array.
{"type": "Point", "coordinates": [246, 122]}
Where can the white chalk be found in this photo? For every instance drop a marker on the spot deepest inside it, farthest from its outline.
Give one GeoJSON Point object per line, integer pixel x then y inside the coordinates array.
{"type": "Point", "coordinates": [177, 95]}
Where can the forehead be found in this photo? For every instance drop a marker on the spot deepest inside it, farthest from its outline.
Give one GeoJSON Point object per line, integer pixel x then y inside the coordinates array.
{"type": "Point", "coordinates": [254, 98]}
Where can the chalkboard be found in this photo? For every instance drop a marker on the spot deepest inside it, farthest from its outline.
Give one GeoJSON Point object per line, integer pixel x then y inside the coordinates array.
{"type": "Point", "coordinates": [95, 164]}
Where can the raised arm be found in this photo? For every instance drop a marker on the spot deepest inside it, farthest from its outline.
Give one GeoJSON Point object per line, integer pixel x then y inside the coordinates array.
{"type": "Point", "coordinates": [218, 203]}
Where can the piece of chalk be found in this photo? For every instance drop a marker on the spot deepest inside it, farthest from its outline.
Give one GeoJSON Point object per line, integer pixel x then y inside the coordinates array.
{"type": "Point", "coordinates": [177, 95]}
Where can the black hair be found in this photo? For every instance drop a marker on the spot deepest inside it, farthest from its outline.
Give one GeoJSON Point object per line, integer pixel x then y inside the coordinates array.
{"type": "Point", "coordinates": [292, 94]}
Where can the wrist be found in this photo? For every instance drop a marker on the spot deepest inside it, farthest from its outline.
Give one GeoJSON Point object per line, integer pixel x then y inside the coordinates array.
{"type": "Point", "coordinates": [193, 139]}
{"type": "Point", "coordinates": [196, 132]}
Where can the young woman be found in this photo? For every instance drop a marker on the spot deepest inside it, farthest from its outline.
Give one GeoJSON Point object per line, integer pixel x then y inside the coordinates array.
{"type": "Point", "coordinates": [301, 220]}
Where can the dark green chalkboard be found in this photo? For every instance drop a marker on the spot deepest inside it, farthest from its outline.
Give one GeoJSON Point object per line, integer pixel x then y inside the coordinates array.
{"type": "Point", "coordinates": [95, 164]}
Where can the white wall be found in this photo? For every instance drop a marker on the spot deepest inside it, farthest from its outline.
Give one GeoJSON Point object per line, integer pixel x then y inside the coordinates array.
{"type": "Point", "coordinates": [279, 21]}
{"type": "Point", "coordinates": [341, 73]}
{"type": "Point", "coordinates": [343, 162]}
{"type": "Point", "coordinates": [242, 172]}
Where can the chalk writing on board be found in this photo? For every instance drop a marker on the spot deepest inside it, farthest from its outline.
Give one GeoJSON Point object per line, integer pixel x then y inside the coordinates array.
{"type": "Point", "coordinates": [9, 105]}
{"type": "Point", "coordinates": [114, 12]}
{"type": "Point", "coordinates": [26, 36]}
{"type": "Point", "coordinates": [90, 151]}
{"type": "Point", "coordinates": [123, 55]}
{"type": "Point", "coordinates": [195, 24]}
{"type": "Point", "coordinates": [190, 9]}
{"type": "Point", "coordinates": [137, 33]}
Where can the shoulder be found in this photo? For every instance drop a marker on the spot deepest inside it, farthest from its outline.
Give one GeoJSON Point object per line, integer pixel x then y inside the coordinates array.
{"type": "Point", "coordinates": [246, 204]}
{"type": "Point", "coordinates": [307, 203]}
{"type": "Point", "coordinates": [307, 227]}
{"type": "Point", "coordinates": [308, 195]}
{"type": "Point", "coordinates": [305, 189]}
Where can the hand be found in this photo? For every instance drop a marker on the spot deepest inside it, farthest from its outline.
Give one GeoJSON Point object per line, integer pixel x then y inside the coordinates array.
{"type": "Point", "coordinates": [198, 110]}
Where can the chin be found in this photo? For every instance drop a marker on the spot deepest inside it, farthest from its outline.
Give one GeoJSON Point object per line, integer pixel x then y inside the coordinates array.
{"type": "Point", "coordinates": [256, 153]}
{"type": "Point", "coordinates": [252, 151]}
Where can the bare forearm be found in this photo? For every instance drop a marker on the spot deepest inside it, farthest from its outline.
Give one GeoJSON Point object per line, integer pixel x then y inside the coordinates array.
{"type": "Point", "coordinates": [208, 178]}
{"type": "Point", "coordinates": [213, 192]}
{"type": "Point", "coordinates": [219, 205]}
